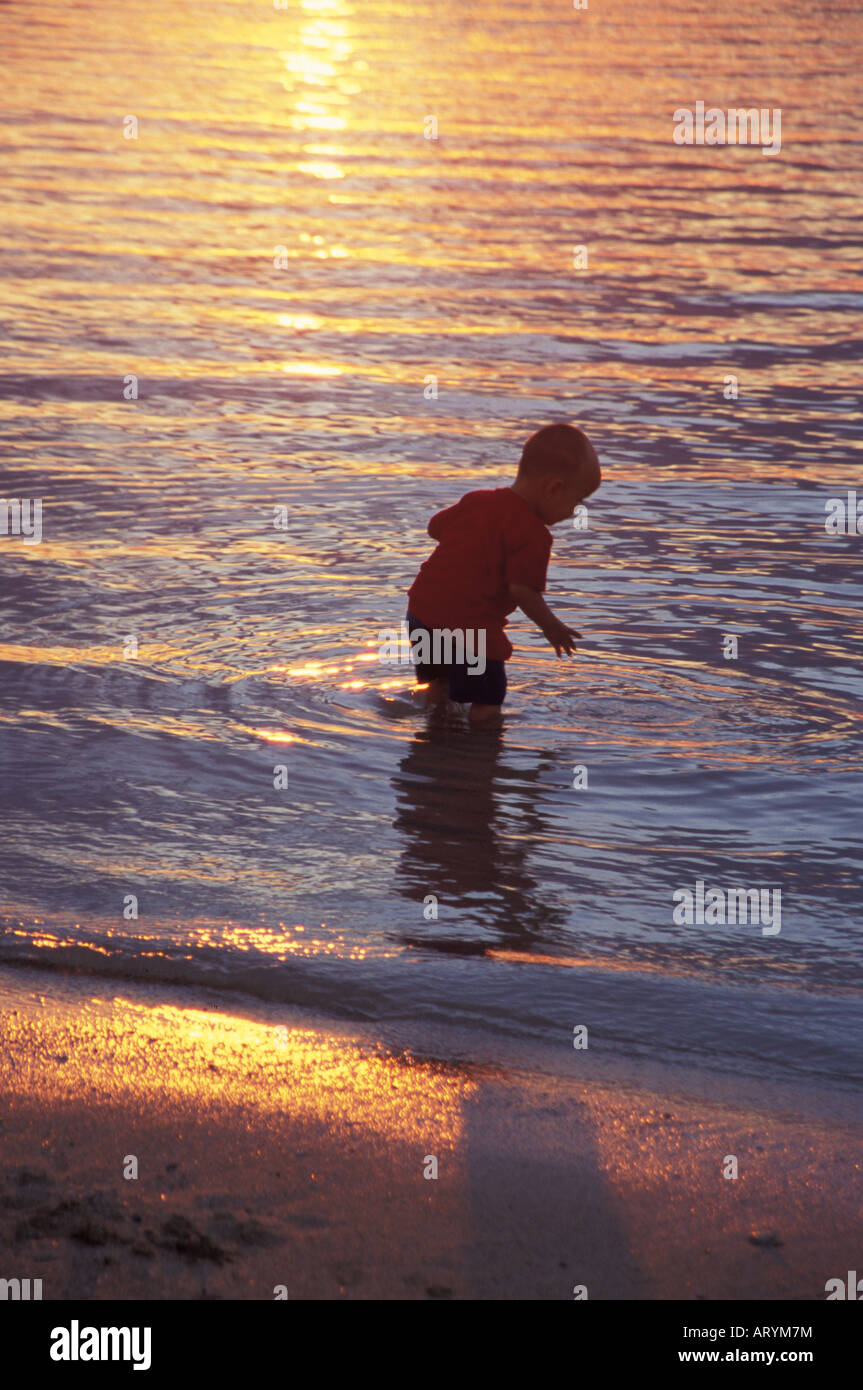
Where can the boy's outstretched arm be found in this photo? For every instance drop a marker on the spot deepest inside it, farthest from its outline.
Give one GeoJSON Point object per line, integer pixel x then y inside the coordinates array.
{"type": "Point", "coordinates": [534, 605]}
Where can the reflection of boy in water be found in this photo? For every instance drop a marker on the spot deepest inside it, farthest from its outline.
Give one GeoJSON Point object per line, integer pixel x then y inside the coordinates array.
{"type": "Point", "coordinates": [492, 557]}
{"type": "Point", "coordinates": [469, 824]}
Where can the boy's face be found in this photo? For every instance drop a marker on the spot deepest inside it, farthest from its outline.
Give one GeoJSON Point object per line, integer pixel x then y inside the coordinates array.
{"type": "Point", "coordinates": [560, 498]}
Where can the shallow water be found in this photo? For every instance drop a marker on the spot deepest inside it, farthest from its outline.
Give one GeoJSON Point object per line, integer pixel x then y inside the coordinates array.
{"type": "Point", "coordinates": [303, 387]}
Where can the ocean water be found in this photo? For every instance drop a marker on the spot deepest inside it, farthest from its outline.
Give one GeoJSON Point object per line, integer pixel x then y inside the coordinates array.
{"type": "Point", "coordinates": [275, 292]}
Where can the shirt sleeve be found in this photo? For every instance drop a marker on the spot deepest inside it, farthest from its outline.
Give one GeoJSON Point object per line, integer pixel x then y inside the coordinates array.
{"type": "Point", "coordinates": [439, 519]}
{"type": "Point", "coordinates": [527, 560]}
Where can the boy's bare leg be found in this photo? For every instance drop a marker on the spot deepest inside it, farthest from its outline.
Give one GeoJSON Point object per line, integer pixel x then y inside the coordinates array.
{"type": "Point", "coordinates": [485, 714]}
{"type": "Point", "coordinates": [437, 692]}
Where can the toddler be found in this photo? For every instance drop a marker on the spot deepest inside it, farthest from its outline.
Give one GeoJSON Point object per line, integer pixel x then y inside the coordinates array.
{"type": "Point", "coordinates": [491, 558]}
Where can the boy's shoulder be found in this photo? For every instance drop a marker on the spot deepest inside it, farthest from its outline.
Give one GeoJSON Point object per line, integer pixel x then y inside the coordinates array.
{"type": "Point", "coordinates": [506, 504]}
{"type": "Point", "coordinates": [516, 517]}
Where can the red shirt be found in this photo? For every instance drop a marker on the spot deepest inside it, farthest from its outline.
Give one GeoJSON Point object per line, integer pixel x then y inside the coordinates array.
{"type": "Point", "coordinates": [490, 539]}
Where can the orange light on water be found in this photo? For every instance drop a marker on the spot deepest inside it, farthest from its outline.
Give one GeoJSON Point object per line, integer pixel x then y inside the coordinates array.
{"type": "Point", "coordinates": [299, 321]}
{"type": "Point", "coordinates": [310, 369]}
{"type": "Point", "coordinates": [319, 169]}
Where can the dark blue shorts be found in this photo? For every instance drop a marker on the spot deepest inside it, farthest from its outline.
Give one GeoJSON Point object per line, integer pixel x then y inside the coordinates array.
{"type": "Point", "coordinates": [465, 688]}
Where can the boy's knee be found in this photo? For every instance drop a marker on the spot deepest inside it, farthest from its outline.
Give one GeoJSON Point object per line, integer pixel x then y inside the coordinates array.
{"type": "Point", "coordinates": [485, 714]}
{"type": "Point", "coordinates": [437, 692]}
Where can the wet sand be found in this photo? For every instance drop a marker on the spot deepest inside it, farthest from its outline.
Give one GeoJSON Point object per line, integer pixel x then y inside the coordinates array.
{"type": "Point", "coordinates": [288, 1156]}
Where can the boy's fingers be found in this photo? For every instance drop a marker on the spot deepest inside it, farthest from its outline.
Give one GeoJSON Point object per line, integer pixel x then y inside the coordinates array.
{"type": "Point", "coordinates": [564, 642]}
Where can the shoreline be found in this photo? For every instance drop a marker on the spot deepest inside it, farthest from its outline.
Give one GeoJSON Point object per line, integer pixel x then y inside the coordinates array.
{"type": "Point", "coordinates": [293, 1155]}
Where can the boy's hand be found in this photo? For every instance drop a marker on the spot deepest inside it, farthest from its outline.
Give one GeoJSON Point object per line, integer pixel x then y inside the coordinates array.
{"type": "Point", "coordinates": [534, 605]}
{"type": "Point", "coordinates": [560, 636]}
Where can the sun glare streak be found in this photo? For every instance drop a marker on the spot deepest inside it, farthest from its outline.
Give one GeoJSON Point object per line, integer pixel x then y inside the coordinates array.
{"type": "Point", "coordinates": [311, 369]}
{"type": "Point", "coordinates": [319, 169]}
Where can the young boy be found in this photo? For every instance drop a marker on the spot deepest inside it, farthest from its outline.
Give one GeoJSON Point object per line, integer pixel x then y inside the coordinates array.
{"type": "Point", "coordinates": [491, 557]}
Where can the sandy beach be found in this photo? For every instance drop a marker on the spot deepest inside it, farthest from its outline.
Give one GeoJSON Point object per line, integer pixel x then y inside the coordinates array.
{"type": "Point", "coordinates": [271, 1155]}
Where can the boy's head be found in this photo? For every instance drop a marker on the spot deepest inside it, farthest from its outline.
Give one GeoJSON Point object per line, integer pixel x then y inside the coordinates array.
{"type": "Point", "coordinates": [557, 470]}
